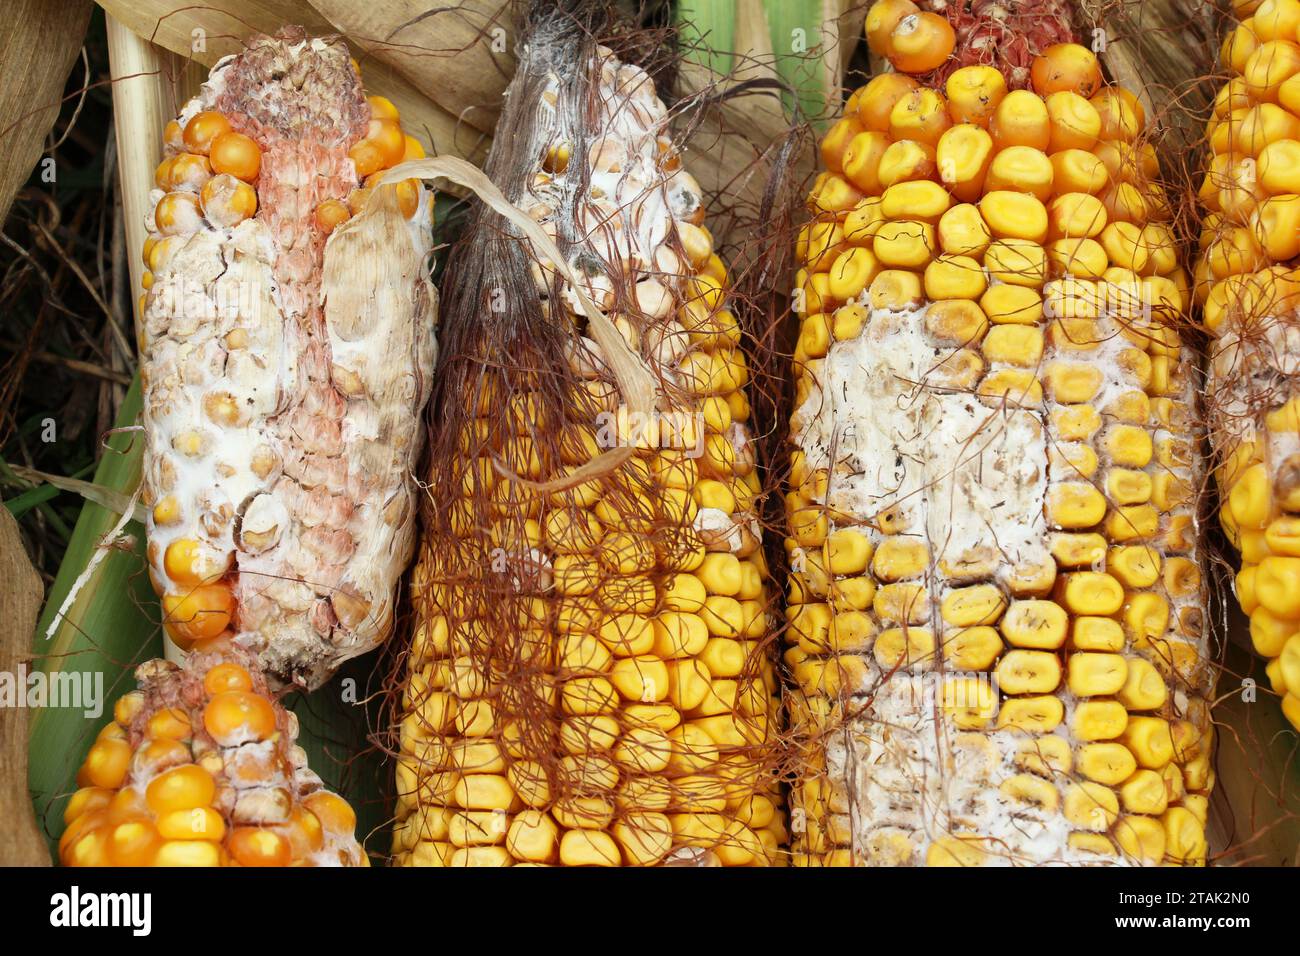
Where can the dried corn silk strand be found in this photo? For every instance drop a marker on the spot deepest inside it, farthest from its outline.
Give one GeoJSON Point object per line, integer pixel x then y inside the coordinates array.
{"type": "Point", "coordinates": [287, 346]}
{"type": "Point", "coordinates": [587, 683]}
{"type": "Point", "coordinates": [200, 768]}
{"type": "Point", "coordinates": [1248, 280]}
{"type": "Point", "coordinates": [996, 612]}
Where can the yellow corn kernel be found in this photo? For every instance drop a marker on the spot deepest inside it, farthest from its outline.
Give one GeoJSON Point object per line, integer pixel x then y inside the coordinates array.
{"type": "Point", "coordinates": [1073, 457]}
{"type": "Point", "coordinates": [835, 195]}
{"type": "Point", "coordinates": [1144, 792]}
{"type": "Point", "coordinates": [853, 594]}
{"type": "Point", "coordinates": [483, 792]}
{"type": "Point", "coordinates": [905, 161]}
{"type": "Point", "coordinates": [1150, 740]}
{"type": "Point", "coordinates": [1022, 169]}
{"type": "Point", "coordinates": [848, 551]}
{"type": "Point", "coordinates": [1276, 581]}
{"type": "Point", "coordinates": [1094, 675]}
{"type": "Point", "coordinates": [1121, 114]}
{"type": "Point", "coordinates": [1074, 505]}
{"type": "Point", "coordinates": [1141, 838]}
{"type": "Point", "coordinates": [900, 647]}
{"type": "Point", "coordinates": [1269, 66]}
{"type": "Point", "coordinates": [1099, 720]}
{"type": "Point", "coordinates": [1135, 566]}
{"type": "Point", "coordinates": [974, 93]}
{"type": "Point", "coordinates": [1250, 498]}
{"type": "Point", "coordinates": [861, 162]}
{"type": "Point", "coordinates": [1015, 215]}
{"type": "Point", "coordinates": [1278, 167]}
{"type": "Point", "coordinates": [1090, 592]}
{"type": "Point", "coordinates": [1020, 345]}
{"type": "Point", "coordinates": [1128, 445]}
{"type": "Point", "coordinates": [1032, 715]}
{"type": "Point", "coordinates": [1035, 624]}
{"type": "Point", "coordinates": [852, 272]}
{"type": "Point", "coordinates": [876, 100]}
{"type": "Point", "coordinates": [963, 232]}
{"type": "Point", "coordinates": [1021, 119]}
{"type": "Point", "coordinates": [962, 155]}
{"type": "Point", "coordinates": [1079, 171]}
{"type": "Point", "coordinates": [957, 851]}
{"type": "Point", "coordinates": [1184, 836]}
{"type": "Point", "coordinates": [954, 277]}
{"type": "Point", "coordinates": [1128, 487]}
{"type": "Point", "coordinates": [1276, 226]}
{"type": "Point", "coordinates": [980, 604]}
{"type": "Point", "coordinates": [1090, 806]}
{"type": "Point", "coordinates": [972, 648]}
{"type": "Point", "coordinates": [1016, 262]}
{"type": "Point", "coordinates": [896, 290]}
{"type": "Point", "coordinates": [905, 243]}
{"type": "Point", "coordinates": [809, 526]}
{"type": "Point", "coordinates": [588, 848]}
{"type": "Point", "coordinates": [1072, 550]}
{"type": "Point", "coordinates": [1079, 258]}
{"type": "Point", "coordinates": [1096, 634]}
{"type": "Point", "coordinates": [1075, 122]}
{"type": "Point", "coordinates": [921, 199]}
{"type": "Point", "coordinates": [1106, 763]}
{"type": "Point", "coordinates": [1077, 216]}
{"type": "Point", "coordinates": [1028, 672]}
{"type": "Point", "coordinates": [1146, 617]}
{"type": "Point", "coordinates": [1072, 382]}
{"type": "Point", "coordinates": [721, 574]}
{"type": "Point", "coordinates": [1073, 422]}
{"type": "Point", "coordinates": [1124, 245]}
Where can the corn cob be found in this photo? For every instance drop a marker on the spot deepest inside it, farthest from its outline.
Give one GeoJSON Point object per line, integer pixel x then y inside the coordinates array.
{"type": "Point", "coordinates": [286, 348]}
{"type": "Point", "coordinates": [587, 684]}
{"type": "Point", "coordinates": [995, 608]}
{"type": "Point", "coordinates": [199, 768]}
{"type": "Point", "coordinates": [1248, 283]}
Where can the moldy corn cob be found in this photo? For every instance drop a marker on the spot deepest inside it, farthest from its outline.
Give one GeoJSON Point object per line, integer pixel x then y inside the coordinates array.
{"type": "Point", "coordinates": [1248, 281]}
{"type": "Point", "coordinates": [199, 768]}
{"type": "Point", "coordinates": [286, 345]}
{"type": "Point", "coordinates": [587, 683]}
{"type": "Point", "coordinates": [995, 610]}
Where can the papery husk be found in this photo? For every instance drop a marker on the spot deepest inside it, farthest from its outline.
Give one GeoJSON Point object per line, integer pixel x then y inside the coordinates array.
{"type": "Point", "coordinates": [38, 46]}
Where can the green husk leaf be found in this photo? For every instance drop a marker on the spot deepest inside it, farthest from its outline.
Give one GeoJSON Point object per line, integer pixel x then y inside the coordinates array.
{"type": "Point", "coordinates": [799, 43]}
{"type": "Point", "coordinates": [707, 30]}
{"type": "Point", "coordinates": [110, 626]}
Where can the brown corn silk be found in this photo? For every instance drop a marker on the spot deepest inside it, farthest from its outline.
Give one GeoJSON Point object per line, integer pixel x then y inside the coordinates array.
{"type": "Point", "coordinates": [200, 767]}
{"type": "Point", "coordinates": [996, 616]}
{"type": "Point", "coordinates": [587, 682]}
{"type": "Point", "coordinates": [286, 344]}
{"type": "Point", "coordinates": [286, 355]}
{"type": "Point", "coordinates": [1248, 281]}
